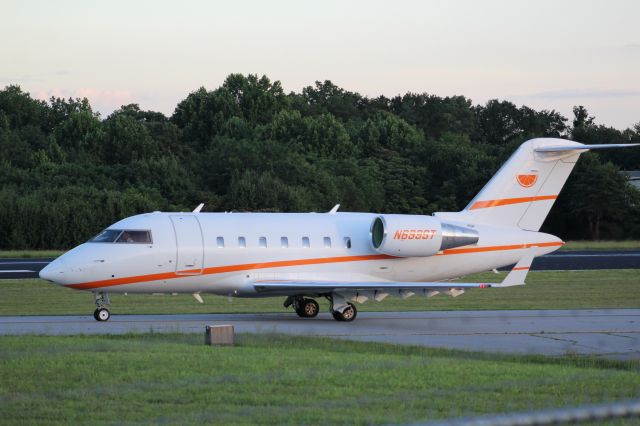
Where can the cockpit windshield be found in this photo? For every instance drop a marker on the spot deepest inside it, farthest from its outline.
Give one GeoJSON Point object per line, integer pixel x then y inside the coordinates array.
{"type": "Point", "coordinates": [143, 237]}
{"type": "Point", "coordinates": [106, 236]}
{"type": "Point", "coordinates": [126, 236]}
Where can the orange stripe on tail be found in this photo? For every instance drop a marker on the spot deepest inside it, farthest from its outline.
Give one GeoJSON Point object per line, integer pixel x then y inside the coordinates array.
{"type": "Point", "coordinates": [507, 201]}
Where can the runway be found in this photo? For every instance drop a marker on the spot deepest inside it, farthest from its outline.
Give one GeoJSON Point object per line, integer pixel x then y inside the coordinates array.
{"type": "Point", "coordinates": [22, 268]}
{"type": "Point", "coordinates": [610, 333]}
{"type": "Point", "coordinates": [558, 261]}
{"type": "Point", "coordinates": [580, 260]}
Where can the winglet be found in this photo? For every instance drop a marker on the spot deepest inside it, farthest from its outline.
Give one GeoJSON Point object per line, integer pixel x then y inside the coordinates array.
{"type": "Point", "coordinates": [334, 209]}
{"type": "Point", "coordinates": [580, 147]}
{"type": "Point", "coordinates": [197, 209]}
{"type": "Point", "coordinates": [518, 273]}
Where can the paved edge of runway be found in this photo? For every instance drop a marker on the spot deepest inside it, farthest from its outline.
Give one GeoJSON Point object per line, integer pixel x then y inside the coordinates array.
{"type": "Point", "coordinates": [608, 333]}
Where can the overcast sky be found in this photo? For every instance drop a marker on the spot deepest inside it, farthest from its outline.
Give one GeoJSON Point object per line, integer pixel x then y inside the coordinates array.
{"type": "Point", "coordinates": [544, 54]}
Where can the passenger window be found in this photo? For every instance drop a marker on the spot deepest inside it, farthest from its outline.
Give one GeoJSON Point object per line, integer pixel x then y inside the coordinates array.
{"type": "Point", "coordinates": [242, 242]}
{"type": "Point", "coordinates": [327, 242]}
{"type": "Point", "coordinates": [262, 242]}
{"type": "Point", "coordinates": [284, 242]}
{"type": "Point", "coordinates": [220, 242]}
{"type": "Point", "coordinates": [305, 242]}
{"type": "Point", "coordinates": [347, 242]}
{"type": "Point", "coordinates": [139, 237]}
{"type": "Point", "coordinates": [106, 236]}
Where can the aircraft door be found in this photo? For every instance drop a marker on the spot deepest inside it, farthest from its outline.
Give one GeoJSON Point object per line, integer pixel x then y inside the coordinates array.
{"type": "Point", "coordinates": [189, 244]}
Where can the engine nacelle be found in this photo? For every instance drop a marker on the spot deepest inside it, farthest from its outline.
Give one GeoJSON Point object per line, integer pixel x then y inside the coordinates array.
{"type": "Point", "coordinates": [417, 236]}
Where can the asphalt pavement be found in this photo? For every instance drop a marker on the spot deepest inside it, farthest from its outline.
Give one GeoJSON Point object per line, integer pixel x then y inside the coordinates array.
{"type": "Point", "coordinates": [22, 268]}
{"type": "Point", "coordinates": [609, 333]}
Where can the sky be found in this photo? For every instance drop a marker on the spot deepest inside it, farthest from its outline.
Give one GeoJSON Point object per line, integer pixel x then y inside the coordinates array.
{"type": "Point", "coordinates": [543, 54]}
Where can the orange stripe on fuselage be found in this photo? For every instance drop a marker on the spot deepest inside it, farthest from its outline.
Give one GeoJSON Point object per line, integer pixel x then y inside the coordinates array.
{"type": "Point", "coordinates": [227, 268]}
{"type": "Point", "coordinates": [507, 201]}
{"type": "Point", "coordinates": [284, 263]}
{"type": "Point", "coordinates": [499, 248]}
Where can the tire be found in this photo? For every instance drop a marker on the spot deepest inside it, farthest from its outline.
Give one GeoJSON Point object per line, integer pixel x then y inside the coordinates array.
{"type": "Point", "coordinates": [310, 308]}
{"type": "Point", "coordinates": [102, 314]}
{"type": "Point", "coordinates": [348, 315]}
{"type": "Point", "coordinates": [300, 311]}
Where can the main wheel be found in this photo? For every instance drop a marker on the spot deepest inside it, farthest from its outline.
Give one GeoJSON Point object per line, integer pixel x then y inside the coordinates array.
{"type": "Point", "coordinates": [310, 308]}
{"type": "Point", "coordinates": [349, 314]}
{"type": "Point", "coordinates": [101, 314]}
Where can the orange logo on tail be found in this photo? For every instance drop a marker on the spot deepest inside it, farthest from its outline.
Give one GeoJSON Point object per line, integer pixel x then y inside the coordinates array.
{"type": "Point", "coordinates": [527, 181]}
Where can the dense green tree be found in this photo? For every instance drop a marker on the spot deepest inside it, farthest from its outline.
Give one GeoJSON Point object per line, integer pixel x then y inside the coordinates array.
{"type": "Point", "coordinates": [66, 172]}
{"type": "Point", "coordinates": [601, 196]}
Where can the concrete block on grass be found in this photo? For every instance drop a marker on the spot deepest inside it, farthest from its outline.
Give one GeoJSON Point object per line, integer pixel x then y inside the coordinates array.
{"type": "Point", "coordinates": [216, 335]}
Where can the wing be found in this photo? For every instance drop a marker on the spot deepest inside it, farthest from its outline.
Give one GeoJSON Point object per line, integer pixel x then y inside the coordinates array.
{"type": "Point", "coordinates": [378, 290]}
{"type": "Point", "coordinates": [330, 286]}
{"type": "Point", "coordinates": [362, 291]}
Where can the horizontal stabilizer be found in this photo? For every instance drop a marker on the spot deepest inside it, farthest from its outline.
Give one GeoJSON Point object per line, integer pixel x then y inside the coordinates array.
{"type": "Point", "coordinates": [291, 286]}
{"type": "Point", "coordinates": [581, 147]}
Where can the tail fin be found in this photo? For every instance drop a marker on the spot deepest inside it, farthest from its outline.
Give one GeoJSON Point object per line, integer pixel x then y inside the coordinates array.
{"type": "Point", "coordinates": [523, 191]}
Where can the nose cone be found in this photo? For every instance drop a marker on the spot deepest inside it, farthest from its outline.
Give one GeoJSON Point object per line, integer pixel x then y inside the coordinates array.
{"type": "Point", "coordinates": [54, 272]}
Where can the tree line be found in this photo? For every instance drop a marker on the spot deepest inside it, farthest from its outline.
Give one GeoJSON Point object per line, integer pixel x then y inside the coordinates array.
{"type": "Point", "coordinates": [66, 172]}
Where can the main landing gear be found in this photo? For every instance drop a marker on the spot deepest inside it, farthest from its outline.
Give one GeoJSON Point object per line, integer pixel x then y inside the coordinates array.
{"type": "Point", "coordinates": [305, 308]}
{"type": "Point", "coordinates": [348, 314]}
{"type": "Point", "coordinates": [102, 312]}
{"type": "Point", "coordinates": [309, 308]}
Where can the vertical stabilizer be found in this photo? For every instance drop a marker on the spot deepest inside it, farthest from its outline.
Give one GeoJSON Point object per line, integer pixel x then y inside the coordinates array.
{"type": "Point", "coordinates": [526, 186]}
{"type": "Point", "coordinates": [523, 191]}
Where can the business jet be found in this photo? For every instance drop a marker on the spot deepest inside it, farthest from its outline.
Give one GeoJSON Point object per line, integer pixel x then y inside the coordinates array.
{"type": "Point", "coordinates": [343, 257]}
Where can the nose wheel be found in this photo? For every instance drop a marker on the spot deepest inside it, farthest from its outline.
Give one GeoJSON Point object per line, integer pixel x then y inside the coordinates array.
{"type": "Point", "coordinates": [102, 312]}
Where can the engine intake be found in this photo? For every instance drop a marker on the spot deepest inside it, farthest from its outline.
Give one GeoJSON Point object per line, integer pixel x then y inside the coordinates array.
{"type": "Point", "coordinates": [417, 236]}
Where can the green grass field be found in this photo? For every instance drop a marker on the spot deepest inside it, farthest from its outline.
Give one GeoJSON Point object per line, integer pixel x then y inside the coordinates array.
{"type": "Point", "coordinates": [269, 379]}
{"type": "Point", "coordinates": [570, 245]}
{"type": "Point", "coordinates": [544, 290]}
{"type": "Point", "coordinates": [601, 245]}
{"type": "Point", "coordinates": [29, 254]}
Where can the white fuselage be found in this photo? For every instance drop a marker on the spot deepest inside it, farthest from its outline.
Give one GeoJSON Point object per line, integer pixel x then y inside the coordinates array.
{"type": "Point", "coordinates": [225, 253]}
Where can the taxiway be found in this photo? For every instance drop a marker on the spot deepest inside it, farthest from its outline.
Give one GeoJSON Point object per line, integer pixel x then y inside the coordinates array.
{"type": "Point", "coordinates": [611, 333]}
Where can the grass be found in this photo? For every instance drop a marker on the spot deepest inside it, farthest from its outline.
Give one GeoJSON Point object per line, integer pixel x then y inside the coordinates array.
{"type": "Point", "coordinates": [29, 254]}
{"type": "Point", "coordinates": [270, 379]}
{"type": "Point", "coordinates": [602, 245]}
{"type": "Point", "coordinates": [545, 290]}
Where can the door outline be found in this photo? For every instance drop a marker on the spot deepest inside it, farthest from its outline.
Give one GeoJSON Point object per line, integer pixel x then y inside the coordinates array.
{"type": "Point", "coordinates": [188, 269]}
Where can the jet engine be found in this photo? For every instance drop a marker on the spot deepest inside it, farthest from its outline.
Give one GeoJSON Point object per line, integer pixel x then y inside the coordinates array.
{"type": "Point", "coordinates": [417, 236]}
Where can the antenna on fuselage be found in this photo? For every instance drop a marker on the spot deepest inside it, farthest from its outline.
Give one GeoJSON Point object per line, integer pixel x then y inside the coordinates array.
{"type": "Point", "coordinates": [197, 209]}
{"type": "Point", "coordinates": [334, 209]}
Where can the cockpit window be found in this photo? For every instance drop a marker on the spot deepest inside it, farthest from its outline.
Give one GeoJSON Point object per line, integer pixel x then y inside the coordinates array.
{"type": "Point", "coordinates": [140, 237]}
{"type": "Point", "coordinates": [106, 236]}
{"type": "Point", "coordinates": [123, 236]}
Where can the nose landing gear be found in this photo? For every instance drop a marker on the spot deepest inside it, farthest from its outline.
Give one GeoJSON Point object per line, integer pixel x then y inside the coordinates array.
{"type": "Point", "coordinates": [102, 312]}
